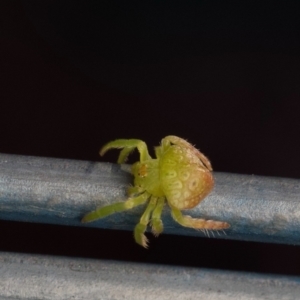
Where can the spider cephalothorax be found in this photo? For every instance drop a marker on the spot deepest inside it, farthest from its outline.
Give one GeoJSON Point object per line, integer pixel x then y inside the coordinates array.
{"type": "Point", "coordinates": [180, 174]}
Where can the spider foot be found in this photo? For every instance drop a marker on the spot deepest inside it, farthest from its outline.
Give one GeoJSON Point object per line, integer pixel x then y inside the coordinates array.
{"type": "Point", "coordinates": [139, 235]}
{"type": "Point", "coordinates": [188, 221]}
{"type": "Point", "coordinates": [215, 225]}
{"type": "Point", "coordinates": [204, 224]}
{"type": "Point", "coordinates": [157, 227]}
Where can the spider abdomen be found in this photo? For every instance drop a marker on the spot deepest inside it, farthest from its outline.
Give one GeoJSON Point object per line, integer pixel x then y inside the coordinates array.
{"type": "Point", "coordinates": [184, 179]}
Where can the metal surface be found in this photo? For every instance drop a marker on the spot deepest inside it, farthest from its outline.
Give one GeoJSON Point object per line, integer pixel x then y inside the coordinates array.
{"type": "Point", "coordinates": [60, 278]}
{"type": "Point", "coordinates": [61, 191]}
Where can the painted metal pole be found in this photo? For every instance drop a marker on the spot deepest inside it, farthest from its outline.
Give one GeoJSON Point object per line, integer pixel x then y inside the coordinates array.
{"type": "Point", "coordinates": [61, 191]}
{"type": "Point", "coordinates": [28, 276]}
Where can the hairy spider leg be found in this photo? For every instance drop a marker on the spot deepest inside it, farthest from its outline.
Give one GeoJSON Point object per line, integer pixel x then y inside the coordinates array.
{"type": "Point", "coordinates": [124, 153]}
{"type": "Point", "coordinates": [116, 207]}
{"type": "Point", "coordinates": [181, 142]}
{"type": "Point", "coordinates": [188, 221]}
{"type": "Point", "coordinates": [134, 190]}
{"type": "Point", "coordinates": [129, 145]}
{"type": "Point", "coordinates": [141, 227]}
{"type": "Point", "coordinates": [156, 222]}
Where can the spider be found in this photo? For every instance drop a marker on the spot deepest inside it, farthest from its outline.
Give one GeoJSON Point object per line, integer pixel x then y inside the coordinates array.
{"type": "Point", "coordinates": [180, 174]}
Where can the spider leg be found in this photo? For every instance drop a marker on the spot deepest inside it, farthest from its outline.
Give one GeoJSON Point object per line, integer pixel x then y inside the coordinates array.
{"type": "Point", "coordinates": [124, 155]}
{"type": "Point", "coordinates": [128, 145]}
{"type": "Point", "coordinates": [156, 222]}
{"type": "Point", "coordinates": [188, 221]}
{"type": "Point", "coordinates": [134, 190]}
{"type": "Point", "coordinates": [116, 207]}
{"type": "Point", "coordinates": [141, 227]}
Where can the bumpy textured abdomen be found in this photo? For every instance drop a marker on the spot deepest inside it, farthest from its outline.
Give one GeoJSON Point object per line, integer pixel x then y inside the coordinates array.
{"type": "Point", "coordinates": [184, 179]}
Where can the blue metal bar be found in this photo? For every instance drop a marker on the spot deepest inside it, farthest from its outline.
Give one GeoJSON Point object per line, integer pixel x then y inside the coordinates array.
{"type": "Point", "coordinates": [61, 191]}
{"type": "Point", "coordinates": [28, 276]}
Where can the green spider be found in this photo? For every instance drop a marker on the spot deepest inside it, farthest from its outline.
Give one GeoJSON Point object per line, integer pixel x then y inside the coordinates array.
{"type": "Point", "coordinates": [180, 174]}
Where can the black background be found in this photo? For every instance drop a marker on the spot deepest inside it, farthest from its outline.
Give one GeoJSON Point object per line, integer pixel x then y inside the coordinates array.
{"type": "Point", "coordinates": [222, 74]}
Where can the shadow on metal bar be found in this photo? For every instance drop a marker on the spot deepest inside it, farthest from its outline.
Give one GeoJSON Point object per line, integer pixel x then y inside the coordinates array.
{"type": "Point", "coordinates": [61, 191]}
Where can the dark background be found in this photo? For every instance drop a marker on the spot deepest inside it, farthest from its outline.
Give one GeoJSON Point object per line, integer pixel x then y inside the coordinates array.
{"type": "Point", "coordinates": [222, 74]}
